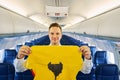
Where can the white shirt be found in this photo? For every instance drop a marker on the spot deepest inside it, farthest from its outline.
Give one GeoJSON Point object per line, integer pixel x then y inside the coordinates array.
{"type": "Point", "coordinates": [86, 68]}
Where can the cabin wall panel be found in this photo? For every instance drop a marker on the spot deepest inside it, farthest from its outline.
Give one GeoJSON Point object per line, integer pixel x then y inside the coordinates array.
{"type": "Point", "coordinates": [6, 25]}
{"type": "Point", "coordinates": [107, 24]}
{"type": "Point", "coordinates": [14, 23]}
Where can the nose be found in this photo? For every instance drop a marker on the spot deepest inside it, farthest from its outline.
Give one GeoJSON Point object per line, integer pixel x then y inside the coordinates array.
{"type": "Point", "coordinates": [54, 36]}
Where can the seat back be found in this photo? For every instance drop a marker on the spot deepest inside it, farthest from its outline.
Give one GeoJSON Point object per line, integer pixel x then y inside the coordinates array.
{"type": "Point", "coordinates": [107, 72]}
{"type": "Point", "coordinates": [7, 71]}
{"type": "Point", "coordinates": [10, 55]}
{"type": "Point", "coordinates": [26, 75]}
{"type": "Point", "coordinates": [100, 58]}
{"type": "Point", "coordinates": [29, 44]}
{"type": "Point", "coordinates": [93, 50]}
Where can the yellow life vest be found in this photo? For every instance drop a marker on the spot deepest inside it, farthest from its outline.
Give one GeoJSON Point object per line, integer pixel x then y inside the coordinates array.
{"type": "Point", "coordinates": [66, 60]}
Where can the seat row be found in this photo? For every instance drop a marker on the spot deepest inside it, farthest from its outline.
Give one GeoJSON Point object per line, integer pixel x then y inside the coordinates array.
{"type": "Point", "coordinates": [99, 59]}
{"type": "Point", "coordinates": [102, 72]}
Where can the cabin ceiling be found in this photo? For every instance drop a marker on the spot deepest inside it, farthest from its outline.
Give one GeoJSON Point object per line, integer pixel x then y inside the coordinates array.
{"type": "Point", "coordinates": [78, 10]}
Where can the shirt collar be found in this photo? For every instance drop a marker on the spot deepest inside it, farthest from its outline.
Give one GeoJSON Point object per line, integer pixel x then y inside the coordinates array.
{"type": "Point", "coordinates": [51, 45]}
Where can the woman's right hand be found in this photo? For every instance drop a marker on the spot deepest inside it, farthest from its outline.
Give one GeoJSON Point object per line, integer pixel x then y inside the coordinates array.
{"type": "Point", "coordinates": [23, 51]}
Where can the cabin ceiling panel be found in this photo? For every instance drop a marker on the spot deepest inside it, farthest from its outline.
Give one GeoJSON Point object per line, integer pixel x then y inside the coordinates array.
{"type": "Point", "coordinates": [78, 10]}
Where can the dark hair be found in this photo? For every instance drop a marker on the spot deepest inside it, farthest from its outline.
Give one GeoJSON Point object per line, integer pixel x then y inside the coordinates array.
{"type": "Point", "coordinates": [55, 25]}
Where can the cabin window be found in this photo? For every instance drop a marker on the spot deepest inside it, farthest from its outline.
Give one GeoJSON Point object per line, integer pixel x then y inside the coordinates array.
{"type": "Point", "coordinates": [1, 56]}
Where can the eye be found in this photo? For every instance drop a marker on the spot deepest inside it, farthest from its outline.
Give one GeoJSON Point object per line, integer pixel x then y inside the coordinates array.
{"type": "Point", "coordinates": [52, 33]}
{"type": "Point", "coordinates": [57, 33]}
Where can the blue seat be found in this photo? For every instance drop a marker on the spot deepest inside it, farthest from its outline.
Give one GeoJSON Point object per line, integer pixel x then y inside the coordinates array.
{"type": "Point", "coordinates": [7, 71]}
{"type": "Point", "coordinates": [93, 50]}
{"type": "Point", "coordinates": [9, 55]}
{"type": "Point", "coordinates": [100, 58]}
{"type": "Point", "coordinates": [26, 75]}
{"type": "Point", "coordinates": [67, 40]}
{"type": "Point", "coordinates": [44, 40]}
{"type": "Point", "coordinates": [83, 44]}
{"type": "Point", "coordinates": [29, 44]}
{"type": "Point", "coordinates": [107, 72]}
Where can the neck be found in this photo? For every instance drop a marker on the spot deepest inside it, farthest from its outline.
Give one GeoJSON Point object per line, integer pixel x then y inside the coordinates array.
{"type": "Point", "coordinates": [54, 44]}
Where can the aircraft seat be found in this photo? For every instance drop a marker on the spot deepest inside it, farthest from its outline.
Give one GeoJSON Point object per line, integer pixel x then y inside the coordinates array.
{"type": "Point", "coordinates": [7, 71]}
{"type": "Point", "coordinates": [29, 44]}
{"type": "Point", "coordinates": [100, 58]}
{"type": "Point", "coordinates": [107, 72]}
{"type": "Point", "coordinates": [26, 75]}
{"type": "Point", "coordinates": [9, 55]}
{"type": "Point", "coordinates": [93, 50]}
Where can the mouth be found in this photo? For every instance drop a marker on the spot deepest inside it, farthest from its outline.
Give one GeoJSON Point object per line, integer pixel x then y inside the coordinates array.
{"type": "Point", "coordinates": [54, 39]}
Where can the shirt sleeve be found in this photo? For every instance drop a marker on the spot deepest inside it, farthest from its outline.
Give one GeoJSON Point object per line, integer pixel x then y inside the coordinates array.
{"type": "Point", "coordinates": [19, 67]}
{"type": "Point", "coordinates": [87, 66]}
